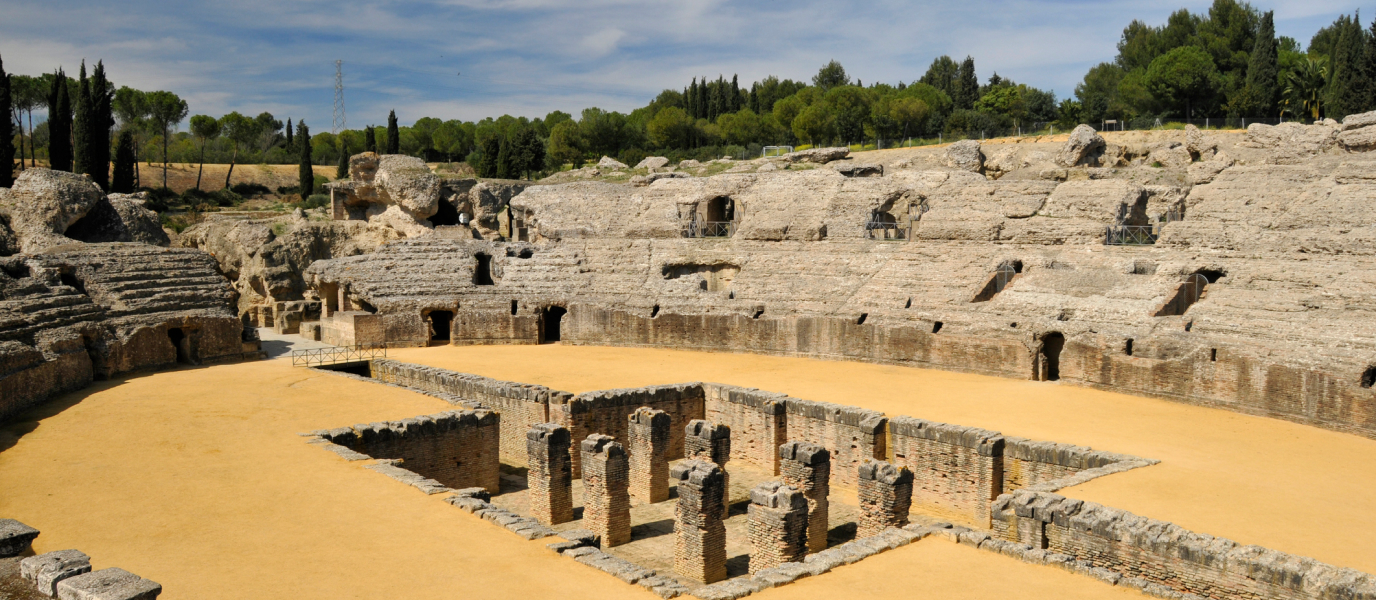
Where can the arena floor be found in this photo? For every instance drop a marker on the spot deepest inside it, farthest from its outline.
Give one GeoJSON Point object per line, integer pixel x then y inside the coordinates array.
{"type": "Point", "coordinates": [196, 478]}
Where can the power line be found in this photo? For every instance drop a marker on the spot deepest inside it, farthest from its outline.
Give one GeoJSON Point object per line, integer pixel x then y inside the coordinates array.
{"type": "Point", "coordinates": [339, 124]}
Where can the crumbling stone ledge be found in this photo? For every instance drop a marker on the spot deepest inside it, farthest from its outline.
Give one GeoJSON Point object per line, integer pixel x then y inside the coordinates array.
{"type": "Point", "coordinates": [478, 502]}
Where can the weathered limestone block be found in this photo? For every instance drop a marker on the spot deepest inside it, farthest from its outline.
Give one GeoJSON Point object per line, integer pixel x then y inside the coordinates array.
{"type": "Point", "coordinates": [806, 467]}
{"type": "Point", "coordinates": [43, 204]}
{"type": "Point", "coordinates": [46, 570]}
{"type": "Point", "coordinates": [119, 218]}
{"type": "Point", "coordinates": [859, 170]}
{"type": "Point", "coordinates": [652, 162]}
{"type": "Point", "coordinates": [1198, 145]}
{"type": "Point", "coordinates": [606, 501]}
{"type": "Point", "coordinates": [649, 433]}
{"type": "Point", "coordinates": [777, 527]}
{"type": "Point", "coordinates": [108, 584]}
{"type": "Point", "coordinates": [966, 156]}
{"type": "Point", "coordinates": [699, 534]}
{"type": "Point", "coordinates": [1105, 201]}
{"type": "Point", "coordinates": [1080, 148]}
{"type": "Point", "coordinates": [550, 474]}
{"type": "Point", "coordinates": [886, 496]}
{"type": "Point", "coordinates": [15, 537]}
{"type": "Point", "coordinates": [819, 156]}
{"type": "Point", "coordinates": [608, 162]}
{"type": "Point", "coordinates": [1359, 132]}
{"type": "Point", "coordinates": [712, 443]}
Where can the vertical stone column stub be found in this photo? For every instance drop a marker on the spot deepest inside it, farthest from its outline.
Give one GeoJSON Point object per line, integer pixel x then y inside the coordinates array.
{"type": "Point", "coordinates": [648, 431]}
{"type": "Point", "coordinates": [606, 498]}
{"type": "Point", "coordinates": [710, 442]}
{"type": "Point", "coordinates": [886, 497]}
{"type": "Point", "coordinates": [807, 467]}
{"type": "Point", "coordinates": [699, 533]}
{"type": "Point", "coordinates": [550, 473]}
{"type": "Point", "coordinates": [777, 527]}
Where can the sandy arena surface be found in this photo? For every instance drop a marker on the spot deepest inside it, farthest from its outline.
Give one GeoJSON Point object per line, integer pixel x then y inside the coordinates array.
{"type": "Point", "coordinates": [197, 479]}
{"type": "Point", "coordinates": [1254, 480]}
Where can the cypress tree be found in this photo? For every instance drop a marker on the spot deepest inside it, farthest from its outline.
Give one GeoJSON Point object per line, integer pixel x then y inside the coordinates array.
{"type": "Point", "coordinates": [1347, 82]}
{"type": "Point", "coordinates": [692, 99]}
{"type": "Point", "coordinates": [59, 124]}
{"type": "Point", "coordinates": [103, 120]}
{"type": "Point", "coordinates": [1369, 68]}
{"type": "Point", "coordinates": [6, 131]}
{"type": "Point", "coordinates": [369, 139]}
{"type": "Point", "coordinates": [504, 159]}
{"type": "Point", "coordinates": [735, 95]}
{"type": "Point", "coordinates": [393, 137]}
{"type": "Point", "coordinates": [123, 182]}
{"type": "Point", "coordinates": [290, 143]}
{"type": "Point", "coordinates": [306, 174]}
{"type": "Point", "coordinates": [967, 85]}
{"type": "Point", "coordinates": [1264, 68]}
{"type": "Point", "coordinates": [343, 171]}
{"type": "Point", "coordinates": [82, 126]}
{"type": "Point", "coordinates": [487, 165]}
{"type": "Point", "coordinates": [702, 100]}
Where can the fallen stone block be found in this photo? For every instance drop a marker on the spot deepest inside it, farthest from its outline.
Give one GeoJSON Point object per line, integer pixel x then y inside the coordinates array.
{"type": "Point", "coordinates": [46, 570]}
{"type": "Point", "coordinates": [108, 584]}
{"type": "Point", "coordinates": [15, 537]}
{"type": "Point", "coordinates": [583, 537]}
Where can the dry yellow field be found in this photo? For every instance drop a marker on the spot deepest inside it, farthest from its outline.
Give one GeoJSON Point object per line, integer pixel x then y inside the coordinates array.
{"type": "Point", "coordinates": [196, 478]}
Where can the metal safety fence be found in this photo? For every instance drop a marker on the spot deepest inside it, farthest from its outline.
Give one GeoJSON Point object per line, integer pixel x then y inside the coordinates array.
{"type": "Point", "coordinates": [1131, 235]}
{"type": "Point", "coordinates": [710, 229]}
{"type": "Point", "coordinates": [337, 354]}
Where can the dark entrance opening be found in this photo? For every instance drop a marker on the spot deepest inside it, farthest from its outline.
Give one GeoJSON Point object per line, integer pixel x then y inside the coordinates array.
{"type": "Point", "coordinates": [70, 280]}
{"type": "Point", "coordinates": [550, 320]}
{"type": "Point", "coordinates": [447, 215]}
{"type": "Point", "coordinates": [1052, 343]}
{"type": "Point", "coordinates": [483, 274]}
{"type": "Point", "coordinates": [182, 343]}
{"type": "Point", "coordinates": [439, 325]}
{"type": "Point", "coordinates": [1369, 377]}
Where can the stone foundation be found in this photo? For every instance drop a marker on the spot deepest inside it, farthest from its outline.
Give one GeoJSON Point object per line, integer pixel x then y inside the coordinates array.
{"type": "Point", "coordinates": [712, 443]}
{"type": "Point", "coordinates": [606, 500]}
{"type": "Point", "coordinates": [457, 449]}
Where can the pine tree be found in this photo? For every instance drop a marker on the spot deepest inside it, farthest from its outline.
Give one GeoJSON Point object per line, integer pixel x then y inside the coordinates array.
{"type": "Point", "coordinates": [123, 182]}
{"type": "Point", "coordinates": [59, 124]}
{"type": "Point", "coordinates": [393, 137]}
{"type": "Point", "coordinates": [967, 85]}
{"type": "Point", "coordinates": [343, 170]}
{"type": "Point", "coordinates": [306, 173]}
{"type": "Point", "coordinates": [102, 120]}
{"type": "Point", "coordinates": [82, 126]}
{"type": "Point", "coordinates": [6, 131]}
{"type": "Point", "coordinates": [369, 139]}
{"type": "Point", "coordinates": [1264, 68]}
{"type": "Point", "coordinates": [1347, 82]}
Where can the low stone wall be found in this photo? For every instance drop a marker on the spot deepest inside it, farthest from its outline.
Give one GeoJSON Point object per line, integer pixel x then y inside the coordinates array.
{"type": "Point", "coordinates": [1049, 466]}
{"type": "Point", "coordinates": [486, 327]}
{"type": "Point", "coordinates": [521, 405]}
{"type": "Point", "coordinates": [458, 449]}
{"type": "Point", "coordinates": [756, 419]}
{"type": "Point", "coordinates": [956, 470]}
{"type": "Point", "coordinates": [608, 411]}
{"type": "Point", "coordinates": [1168, 555]}
{"type": "Point", "coordinates": [850, 434]}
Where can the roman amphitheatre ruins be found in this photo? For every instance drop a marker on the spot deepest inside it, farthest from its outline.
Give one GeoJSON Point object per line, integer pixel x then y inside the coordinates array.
{"type": "Point", "coordinates": [1078, 366]}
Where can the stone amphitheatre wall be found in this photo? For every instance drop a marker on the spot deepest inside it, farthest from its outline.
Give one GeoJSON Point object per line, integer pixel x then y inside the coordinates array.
{"type": "Point", "coordinates": [1184, 561]}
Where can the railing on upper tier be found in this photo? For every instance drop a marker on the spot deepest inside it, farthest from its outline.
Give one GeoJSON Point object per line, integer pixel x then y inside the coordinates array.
{"type": "Point", "coordinates": [710, 229]}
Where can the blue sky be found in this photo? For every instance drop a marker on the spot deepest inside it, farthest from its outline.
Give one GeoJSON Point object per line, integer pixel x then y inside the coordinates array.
{"type": "Point", "coordinates": [470, 59]}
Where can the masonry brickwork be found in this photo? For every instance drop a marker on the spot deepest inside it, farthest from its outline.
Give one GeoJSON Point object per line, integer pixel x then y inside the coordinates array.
{"type": "Point", "coordinates": [550, 474]}
{"type": "Point", "coordinates": [608, 412]}
{"type": "Point", "coordinates": [648, 432]}
{"type": "Point", "coordinates": [712, 443]}
{"type": "Point", "coordinates": [806, 467]}
{"type": "Point", "coordinates": [756, 419]}
{"type": "Point", "coordinates": [699, 533]}
{"type": "Point", "coordinates": [777, 526]}
{"type": "Point", "coordinates": [458, 448]}
{"type": "Point", "coordinates": [957, 470]}
{"type": "Point", "coordinates": [606, 497]}
{"type": "Point", "coordinates": [886, 496]}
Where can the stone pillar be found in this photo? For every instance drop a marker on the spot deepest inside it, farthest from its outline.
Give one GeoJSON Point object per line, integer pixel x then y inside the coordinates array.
{"type": "Point", "coordinates": [706, 441]}
{"type": "Point", "coordinates": [648, 432]}
{"type": "Point", "coordinates": [606, 498]}
{"type": "Point", "coordinates": [699, 534]}
{"type": "Point", "coordinates": [550, 474]}
{"type": "Point", "coordinates": [886, 496]}
{"type": "Point", "coordinates": [777, 526]}
{"type": "Point", "coordinates": [806, 467]}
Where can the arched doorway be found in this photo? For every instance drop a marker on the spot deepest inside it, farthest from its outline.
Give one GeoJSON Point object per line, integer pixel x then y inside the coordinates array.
{"type": "Point", "coordinates": [439, 321]}
{"type": "Point", "coordinates": [1049, 357]}
{"type": "Point", "coordinates": [551, 319]}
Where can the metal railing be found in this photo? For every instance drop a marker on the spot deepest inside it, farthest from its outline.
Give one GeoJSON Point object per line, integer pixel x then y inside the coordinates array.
{"type": "Point", "coordinates": [710, 229]}
{"type": "Point", "coordinates": [1131, 235]}
{"type": "Point", "coordinates": [886, 230]}
{"type": "Point", "coordinates": [337, 354]}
